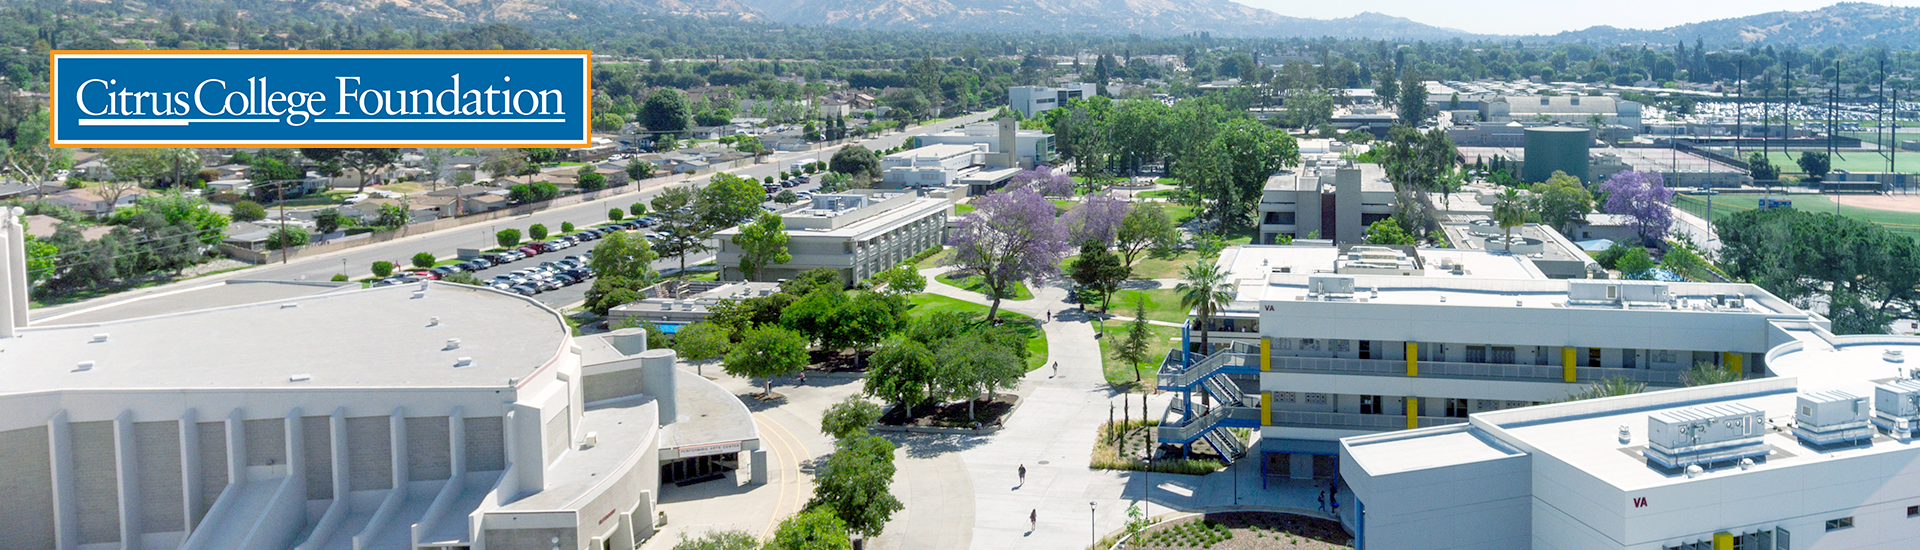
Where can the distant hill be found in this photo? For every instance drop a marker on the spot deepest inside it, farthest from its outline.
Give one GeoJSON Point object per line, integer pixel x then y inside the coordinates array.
{"type": "Point", "coordinates": [1844, 24]}
{"type": "Point", "coordinates": [1151, 17]}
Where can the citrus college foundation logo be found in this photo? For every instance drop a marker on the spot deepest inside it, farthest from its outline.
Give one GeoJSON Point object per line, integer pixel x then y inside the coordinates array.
{"type": "Point", "coordinates": [321, 98]}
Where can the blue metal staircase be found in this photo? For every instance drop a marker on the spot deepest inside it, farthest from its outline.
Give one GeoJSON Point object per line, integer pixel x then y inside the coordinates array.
{"type": "Point", "coordinates": [1210, 376]}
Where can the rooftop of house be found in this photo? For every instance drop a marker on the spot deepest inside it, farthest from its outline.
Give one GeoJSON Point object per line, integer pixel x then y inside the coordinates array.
{"type": "Point", "coordinates": [378, 337]}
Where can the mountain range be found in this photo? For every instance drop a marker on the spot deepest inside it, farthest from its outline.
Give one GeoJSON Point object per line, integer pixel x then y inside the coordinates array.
{"type": "Point", "coordinates": [1843, 24]}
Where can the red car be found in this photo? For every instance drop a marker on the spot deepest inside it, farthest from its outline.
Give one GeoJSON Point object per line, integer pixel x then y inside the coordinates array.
{"type": "Point", "coordinates": [428, 274]}
{"type": "Point", "coordinates": [529, 250]}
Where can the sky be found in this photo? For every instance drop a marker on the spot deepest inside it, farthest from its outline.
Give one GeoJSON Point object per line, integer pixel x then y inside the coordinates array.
{"type": "Point", "coordinates": [1548, 16]}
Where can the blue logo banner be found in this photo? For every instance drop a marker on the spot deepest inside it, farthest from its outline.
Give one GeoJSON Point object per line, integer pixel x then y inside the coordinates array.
{"type": "Point", "coordinates": [321, 99]}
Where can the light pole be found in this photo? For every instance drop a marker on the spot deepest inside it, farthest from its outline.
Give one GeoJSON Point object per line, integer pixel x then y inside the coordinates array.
{"type": "Point", "coordinates": [1093, 522]}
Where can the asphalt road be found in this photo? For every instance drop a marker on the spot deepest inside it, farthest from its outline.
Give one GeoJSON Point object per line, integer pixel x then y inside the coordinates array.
{"type": "Point", "coordinates": [357, 262]}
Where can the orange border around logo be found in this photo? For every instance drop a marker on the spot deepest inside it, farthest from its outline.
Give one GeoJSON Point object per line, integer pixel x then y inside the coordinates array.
{"type": "Point", "coordinates": [53, 117]}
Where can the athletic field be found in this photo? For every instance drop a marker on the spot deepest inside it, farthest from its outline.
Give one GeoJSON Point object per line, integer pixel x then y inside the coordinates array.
{"type": "Point", "coordinates": [1899, 213]}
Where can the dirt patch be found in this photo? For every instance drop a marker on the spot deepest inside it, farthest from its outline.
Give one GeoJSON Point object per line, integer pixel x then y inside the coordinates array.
{"type": "Point", "coordinates": [1245, 531]}
{"type": "Point", "coordinates": [953, 415]}
{"type": "Point", "coordinates": [1893, 203]}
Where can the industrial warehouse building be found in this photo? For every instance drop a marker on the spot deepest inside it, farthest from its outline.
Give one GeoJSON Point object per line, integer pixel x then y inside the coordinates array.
{"type": "Point", "coordinates": [431, 416]}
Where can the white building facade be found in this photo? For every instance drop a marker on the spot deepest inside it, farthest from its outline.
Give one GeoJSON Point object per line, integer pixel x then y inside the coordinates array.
{"type": "Point", "coordinates": [438, 416]}
{"type": "Point", "coordinates": [1029, 100]}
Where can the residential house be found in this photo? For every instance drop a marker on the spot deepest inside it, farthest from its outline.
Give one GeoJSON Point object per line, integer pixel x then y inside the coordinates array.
{"type": "Point", "coordinates": [91, 201]}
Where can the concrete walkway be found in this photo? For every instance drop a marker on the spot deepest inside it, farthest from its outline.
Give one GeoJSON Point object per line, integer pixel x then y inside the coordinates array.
{"type": "Point", "coordinates": [1053, 434]}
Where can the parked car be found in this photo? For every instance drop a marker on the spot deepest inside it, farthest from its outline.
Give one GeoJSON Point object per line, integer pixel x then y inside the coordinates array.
{"type": "Point", "coordinates": [549, 284]}
{"type": "Point", "coordinates": [526, 289]}
{"type": "Point", "coordinates": [442, 271]}
{"type": "Point", "coordinates": [528, 251]}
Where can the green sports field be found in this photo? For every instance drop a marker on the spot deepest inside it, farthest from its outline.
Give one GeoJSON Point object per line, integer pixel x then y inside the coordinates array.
{"type": "Point", "coordinates": [1856, 161]}
{"type": "Point", "coordinates": [1904, 223]}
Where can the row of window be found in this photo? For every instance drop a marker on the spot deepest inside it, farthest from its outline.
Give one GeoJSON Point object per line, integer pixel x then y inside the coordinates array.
{"type": "Point", "coordinates": [1374, 404]}
{"type": "Point", "coordinates": [1775, 539]}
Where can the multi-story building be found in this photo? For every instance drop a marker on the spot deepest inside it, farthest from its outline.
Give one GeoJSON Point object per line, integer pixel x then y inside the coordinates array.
{"type": "Point", "coordinates": [929, 166]}
{"type": "Point", "coordinates": [1028, 147]}
{"type": "Point", "coordinates": [439, 416]}
{"type": "Point", "coordinates": [1037, 99]}
{"type": "Point", "coordinates": [1819, 455]}
{"type": "Point", "coordinates": [1324, 342]}
{"type": "Point", "coordinates": [1326, 198]}
{"type": "Point", "coordinates": [1566, 109]}
{"type": "Point", "coordinates": [857, 233]}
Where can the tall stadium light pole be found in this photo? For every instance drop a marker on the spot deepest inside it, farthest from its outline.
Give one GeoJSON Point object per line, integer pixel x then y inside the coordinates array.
{"type": "Point", "coordinates": [1739, 106]}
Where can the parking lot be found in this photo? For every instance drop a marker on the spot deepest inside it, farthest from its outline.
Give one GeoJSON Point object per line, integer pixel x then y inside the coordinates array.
{"type": "Point", "coordinates": [572, 294]}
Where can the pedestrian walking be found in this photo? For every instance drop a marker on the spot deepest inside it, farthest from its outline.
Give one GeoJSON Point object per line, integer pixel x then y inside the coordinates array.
{"type": "Point", "coordinates": [1056, 369]}
{"type": "Point", "coordinates": [1323, 501]}
{"type": "Point", "coordinates": [1023, 475]}
{"type": "Point", "coordinates": [1033, 520]}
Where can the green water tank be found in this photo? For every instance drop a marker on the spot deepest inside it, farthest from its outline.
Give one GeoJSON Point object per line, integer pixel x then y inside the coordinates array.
{"type": "Point", "coordinates": [1556, 148]}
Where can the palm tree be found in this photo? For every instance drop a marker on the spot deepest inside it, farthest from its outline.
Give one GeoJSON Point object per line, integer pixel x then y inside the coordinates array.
{"type": "Point", "coordinates": [1510, 212]}
{"type": "Point", "coordinates": [1204, 289]}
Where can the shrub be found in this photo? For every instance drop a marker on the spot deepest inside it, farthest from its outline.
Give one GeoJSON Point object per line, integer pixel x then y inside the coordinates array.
{"type": "Point", "coordinates": [507, 237]}
{"type": "Point", "coordinates": [382, 269]}
{"type": "Point", "coordinates": [287, 237]}
{"type": "Point", "coordinates": [768, 180]}
{"type": "Point", "coordinates": [246, 211]}
{"type": "Point", "coordinates": [566, 227]}
{"type": "Point", "coordinates": [339, 277]}
{"type": "Point", "coordinates": [538, 232]}
{"type": "Point", "coordinates": [616, 214]}
{"type": "Point", "coordinates": [423, 260]}
{"type": "Point", "coordinates": [638, 209]}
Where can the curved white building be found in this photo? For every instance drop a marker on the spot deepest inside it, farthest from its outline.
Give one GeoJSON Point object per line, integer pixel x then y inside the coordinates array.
{"type": "Point", "coordinates": [432, 416]}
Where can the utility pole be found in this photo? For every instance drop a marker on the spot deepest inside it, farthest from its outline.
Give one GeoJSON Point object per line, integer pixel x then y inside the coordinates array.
{"type": "Point", "coordinates": [1740, 106]}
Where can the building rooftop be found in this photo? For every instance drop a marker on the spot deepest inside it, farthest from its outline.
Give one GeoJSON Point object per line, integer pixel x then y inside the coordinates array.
{"type": "Point", "coordinates": [1584, 434]}
{"type": "Point", "coordinates": [938, 150]}
{"type": "Point", "coordinates": [1452, 445]}
{"type": "Point", "coordinates": [378, 337]}
{"type": "Point", "coordinates": [1319, 173]}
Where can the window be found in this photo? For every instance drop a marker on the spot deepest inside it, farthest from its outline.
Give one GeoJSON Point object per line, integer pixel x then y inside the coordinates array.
{"type": "Point", "coordinates": [1285, 397]}
{"type": "Point", "coordinates": [1593, 357]}
{"type": "Point", "coordinates": [1476, 354]}
{"type": "Point", "coordinates": [1913, 511]}
{"type": "Point", "coordinates": [1282, 343]}
{"type": "Point", "coordinates": [1457, 408]}
{"type": "Point", "coordinates": [1663, 356]}
{"type": "Point", "coordinates": [1366, 349]}
{"type": "Point", "coordinates": [1627, 357]}
{"type": "Point", "coordinates": [1370, 404]}
{"type": "Point", "coordinates": [1838, 524]}
{"type": "Point", "coordinates": [1503, 355]}
{"type": "Point", "coordinates": [1316, 399]}
{"type": "Point", "coordinates": [1335, 345]}
{"type": "Point", "coordinates": [1309, 344]}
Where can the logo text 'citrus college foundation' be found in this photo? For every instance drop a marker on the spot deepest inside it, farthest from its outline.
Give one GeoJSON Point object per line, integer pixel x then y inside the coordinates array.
{"type": "Point", "coordinates": [321, 99]}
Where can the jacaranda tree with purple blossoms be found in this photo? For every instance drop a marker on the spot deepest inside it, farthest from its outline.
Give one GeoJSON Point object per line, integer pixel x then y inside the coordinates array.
{"type": "Point", "coordinates": [1011, 236]}
{"type": "Point", "coordinates": [1096, 220]}
{"type": "Point", "coordinates": [1643, 196]}
{"type": "Point", "coordinates": [1043, 179]}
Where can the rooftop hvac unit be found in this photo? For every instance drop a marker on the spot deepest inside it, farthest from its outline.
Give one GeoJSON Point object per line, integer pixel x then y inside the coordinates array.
{"type": "Point", "coordinates": [1330, 285]}
{"type": "Point", "coordinates": [1705, 435]}
{"type": "Point", "coordinates": [1830, 419]}
{"type": "Point", "coordinates": [1896, 407]}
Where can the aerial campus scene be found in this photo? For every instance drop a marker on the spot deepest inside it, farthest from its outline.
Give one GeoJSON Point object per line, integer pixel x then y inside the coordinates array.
{"type": "Point", "coordinates": [860, 274]}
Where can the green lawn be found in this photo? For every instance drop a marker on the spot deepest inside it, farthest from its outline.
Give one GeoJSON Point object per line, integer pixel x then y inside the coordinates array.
{"type": "Point", "coordinates": [935, 260]}
{"type": "Point", "coordinates": [1904, 223]}
{"type": "Point", "coordinates": [962, 209]}
{"type": "Point", "coordinates": [975, 284]}
{"type": "Point", "coordinates": [1858, 161]}
{"type": "Point", "coordinates": [1170, 194]}
{"type": "Point", "coordinates": [1118, 372]}
{"type": "Point", "coordinates": [1036, 339]}
{"type": "Point", "coordinates": [1163, 304]}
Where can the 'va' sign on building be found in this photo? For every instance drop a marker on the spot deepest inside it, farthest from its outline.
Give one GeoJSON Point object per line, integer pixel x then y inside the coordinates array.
{"type": "Point", "coordinates": [321, 99]}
